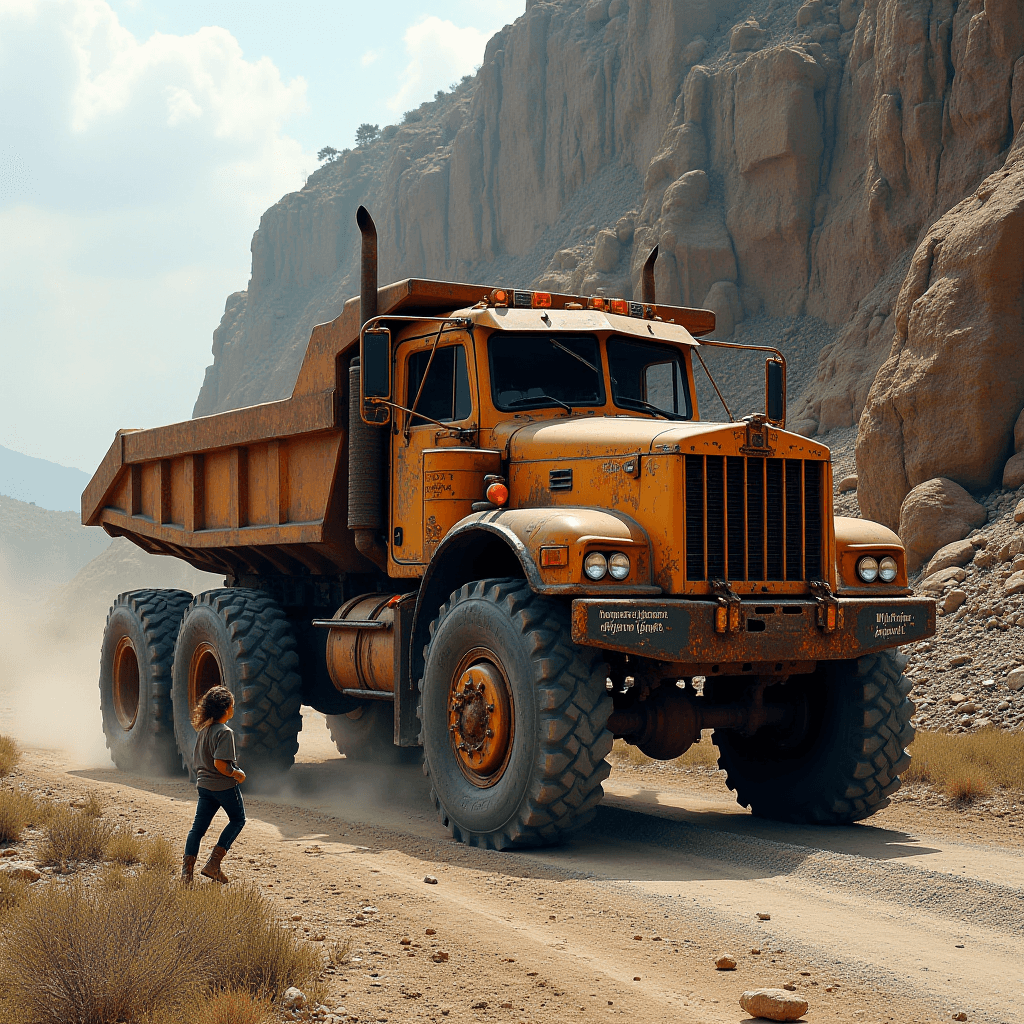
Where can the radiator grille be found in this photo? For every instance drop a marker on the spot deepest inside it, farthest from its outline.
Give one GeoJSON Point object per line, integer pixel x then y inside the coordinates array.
{"type": "Point", "coordinates": [752, 518]}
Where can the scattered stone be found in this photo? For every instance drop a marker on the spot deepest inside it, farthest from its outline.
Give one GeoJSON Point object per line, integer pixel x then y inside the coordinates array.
{"type": "Point", "coordinates": [22, 870]}
{"type": "Point", "coordinates": [430, 879]}
{"type": "Point", "coordinates": [1015, 584]}
{"type": "Point", "coordinates": [440, 957]}
{"type": "Point", "coordinates": [847, 484]}
{"type": "Point", "coordinates": [430, 931]}
{"type": "Point", "coordinates": [1018, 512]}
{"type": "Point", "coordinates": [406, 941]}
{"type": "Point", "coordinates": [725, 963]}
{"type": "Point", "coordinates": [789, 986]}
{"type": "Point", "coordinates": [956, 698]}
{"type": "Point", "coordinates": [638, 938]}
{"type": "Point", "coordinates": [968, 707]}
{"type": "Point", "coordinates": [938, 580]}
{"type": "Point", "coordinates": [9, 853]}
{"type": "Point", "coordinates": [773, 1004]}
{"type": "Point", "coordinates": [961, 1016]}
{"type": "Point", "coordinates": [482, 1005]}
{"type": "Point", "coordinates": [755, 952]}
{"type": "Point", "coordinates": [958, 660]}
{"type": "Point", "coordinates": [1015, 680]}
{"type": "Point", "coordinates": [960, 552]}
{"type": "Point", "coordinates": [296, 917]}
{"type": "Point", "coordinates": [293, 998]}
{"type": "Point", "coordinates": [953, 600]}
{"type": "Point", "coordinates": [764, 917]}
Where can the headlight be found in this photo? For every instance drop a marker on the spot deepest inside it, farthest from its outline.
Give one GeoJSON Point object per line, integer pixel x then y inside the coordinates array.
{"type": "Point", "coordinates": [618, 566]}
{"type": "Point", "coordinates": [595, 565]}
{"type": "Point", "coordinates": [887, 569]}
{"type": "Point", "coordinates": [867, 569]}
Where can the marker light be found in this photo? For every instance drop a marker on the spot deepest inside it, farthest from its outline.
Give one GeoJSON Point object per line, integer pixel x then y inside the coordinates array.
{"type": "Point", "coordinates": [542, 300]}
{"type": "Point", "coordinates": [498, 297]}
{"type": "Point", "coordinates": [597, 302]}
{"type": "Point", "coordinates": [620, 306]}
{"type": "Point", "coordinates": [554, 556]}
{"type": "Point", "coordinates": [497, 494]}
{"type": "Point", "coordinates": [618, 566]}
{"type": "Point", "coordinates": [867, 569]}
{"type": "Point", "coordinates": [887, 569]}
{"type": "Point", "coordinates": [595, 565]}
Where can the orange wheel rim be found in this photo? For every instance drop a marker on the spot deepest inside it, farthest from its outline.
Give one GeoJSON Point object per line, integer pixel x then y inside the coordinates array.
{"type": "Point", "coordinates": [126, 683]}
{"type": "Point", "coordinates": [203, 673]}
{"type": "Point", "coordinates": [481, 722]}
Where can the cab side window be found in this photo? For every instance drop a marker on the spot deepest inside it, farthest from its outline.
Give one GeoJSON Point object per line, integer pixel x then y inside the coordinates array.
{"type": "Point", "coordinates": [445, 396]}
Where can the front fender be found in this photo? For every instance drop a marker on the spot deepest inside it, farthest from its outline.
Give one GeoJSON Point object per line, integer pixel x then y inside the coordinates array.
{"type": "Point", "coordinates": [858, 537]}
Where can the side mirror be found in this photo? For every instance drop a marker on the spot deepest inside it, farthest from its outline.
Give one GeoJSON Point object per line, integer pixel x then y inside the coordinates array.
{"type": "Point", "coordinates": [775, 391]}
{"type": "Point", "coordinates": [375, 374]}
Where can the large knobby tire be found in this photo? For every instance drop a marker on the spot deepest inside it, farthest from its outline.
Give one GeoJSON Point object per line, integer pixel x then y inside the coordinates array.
{"type": "Point", "coordinates": [855, 727]}
{"type": "Point", "coordinates": [135, 679]}
{"type": "Point", "coordinates": [241, 639]}
{"type": "Point", "coordinates": [514, 718]}
{"type": "Point", "coordinates": [368, 734]}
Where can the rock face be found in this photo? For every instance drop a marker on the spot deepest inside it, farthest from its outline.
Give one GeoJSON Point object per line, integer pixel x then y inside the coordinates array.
{"type": "Point", "coordinates": [959, 321]}
{"type": "Point", "coordinates": [793, 158]}
{"type": "Point", "coordinates": [936, 513]}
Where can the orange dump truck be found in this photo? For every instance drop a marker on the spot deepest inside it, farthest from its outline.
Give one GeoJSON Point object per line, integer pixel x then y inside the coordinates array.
{"type": "Point", "coordinates": [490, 530]}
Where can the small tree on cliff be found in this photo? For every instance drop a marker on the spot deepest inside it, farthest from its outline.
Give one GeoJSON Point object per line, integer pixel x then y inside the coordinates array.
{"type": "Point", "coordinates": [328, 153]}
{"type": "Point", "coordinates": [367, 133]}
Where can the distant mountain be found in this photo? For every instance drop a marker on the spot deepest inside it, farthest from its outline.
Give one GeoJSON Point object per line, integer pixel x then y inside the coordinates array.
{"type": "Point", "coordinates": [41, 483]}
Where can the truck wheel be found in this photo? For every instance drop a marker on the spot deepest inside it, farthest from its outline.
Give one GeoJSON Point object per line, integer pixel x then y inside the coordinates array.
{"type": "Point", "coordinates": [842, 762]}
{"type": "Point", "coordinates": [514, 718]}
{"type": "Point", "coordinates": [368, 734]}
{"type": "Point", "coordinates": [240, 639]}
{"type": "Point", "coordinates": [135, 679]}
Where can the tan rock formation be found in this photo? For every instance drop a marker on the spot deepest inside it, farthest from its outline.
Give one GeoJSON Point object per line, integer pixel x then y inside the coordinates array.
{"type": "Point", "coordinates": [946, 400]}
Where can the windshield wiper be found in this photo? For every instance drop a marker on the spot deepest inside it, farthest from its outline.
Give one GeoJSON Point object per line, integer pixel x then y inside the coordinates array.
{"type": "Point", "coordinates": [569, 352]}
{"type": "Point", "coordinates": [647, 405]}
{"type": "Point", "coordinates": [539, 398]}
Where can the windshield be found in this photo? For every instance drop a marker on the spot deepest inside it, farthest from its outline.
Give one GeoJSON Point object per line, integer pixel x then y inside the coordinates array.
{"type": "Point", "coordinates": [648, 377]}
{"type": "Point", "coordinates": [535, 371]}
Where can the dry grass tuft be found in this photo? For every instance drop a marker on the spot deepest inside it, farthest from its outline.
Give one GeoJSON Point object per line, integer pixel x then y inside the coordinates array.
{"type": "Point", "coordinates": [339, 952]}
{"type": "Point", "coordinates": [124, 848]}
{"type": "Point", "coordinates": [18, 810]}
{"type": "Point", "coordinates": [160, 855]}
{"type": "Point", "coordinates": [147, 948]}
{"type": "Point", "coordinates": [10, 755]}
{"type": "Point", "coordinates": [967, 767]}
{"type": "Point", "coordinates": [73, 837]}
{"type": "Point", "coordinates": [12, 892]}
{"type": "Point", "coordinates": [92, 806]}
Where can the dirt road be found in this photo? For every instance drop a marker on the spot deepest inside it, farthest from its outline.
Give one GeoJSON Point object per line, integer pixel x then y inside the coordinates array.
{"type": "Point", "coordinates": [894, 920]}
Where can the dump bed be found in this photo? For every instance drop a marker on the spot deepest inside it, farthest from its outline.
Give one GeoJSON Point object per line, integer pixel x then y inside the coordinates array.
{"type": "Point", "coordinates": [261, 489]}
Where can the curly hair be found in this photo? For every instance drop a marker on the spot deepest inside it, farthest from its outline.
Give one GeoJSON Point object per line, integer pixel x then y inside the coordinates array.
{"type": "Point", "coordinates": [211, 706]}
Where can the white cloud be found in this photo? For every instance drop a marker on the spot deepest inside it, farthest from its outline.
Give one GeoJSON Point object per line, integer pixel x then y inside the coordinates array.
{"type": "Point", "coordinates": [132, 175]}
{"type": "Point", "coordinates": [370, 57]}
{"type": "Point", "coordinates": [439, 53]}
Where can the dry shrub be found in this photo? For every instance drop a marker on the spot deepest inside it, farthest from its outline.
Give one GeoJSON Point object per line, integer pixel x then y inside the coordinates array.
{"type": "Point", "coordinates": [113, 877]}
{"type": "Point", "coordinates": [968, 766]}
{"type": "Point", "coordinates": [339, 952]}
{"type": "Point", "coordinates": [12, 892]}
{"type": "Point", "coordinates": [18, 810]}
{"type": "Point", "coordinates": [160, 855]}
{"type": "Point", "coordinates": [124, 848]}
{"type": "Point", "coordinates": [10, 755]}
{"type": "Point", "coordinates": [227, 1006]}
{"type": "Point", "coordinates": [73, 837]}
{"type": "Point", "coordinates": [92, 806]}
{"type": "Point", "coordinates": [147, 950]}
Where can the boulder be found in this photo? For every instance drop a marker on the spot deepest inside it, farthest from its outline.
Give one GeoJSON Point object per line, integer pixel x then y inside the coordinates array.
{"type": "Point", "coordinates": [725, 962]}
{"type": "Point", "coordinates": [960, 552]}
{"type": "Point", "coordinates": [1013, 472]}
{"type": "Point", "coordinates": [724, 298]}
{"type": "Point", "coordinates": [293, 998]}
{"type": "Point", "coordinates": [1018, 433]}
{"type": "Point", "coordinates": [847, 484]}
{"type": "Point", "coordinates": [1014, 585]}
{"type": "Point", "coordinates": [938, 581]}
{"type": "Point", "coordinates": [773, 1004]}
{"type": "Point", "coordinates": [748, 36]}
{"type": "Point", "coordinates": [1018, 512]}
{"type": "Point", "coordinates": [1015, 680]}
{"type": "Point", "coordinates": [809, 12]}
{"type": "Point", "coordinates": [694, 50]}
{"type": "Point", "coordinates": [935, 513]}
{"type": "Point", "coordinates": [606, 251]}
{"type": "Point", "coordinates": [689, 192]}
{"type": "Point", "coordinates": [23, 870]}
{"type": "Point", "coordinates": [954, 599]}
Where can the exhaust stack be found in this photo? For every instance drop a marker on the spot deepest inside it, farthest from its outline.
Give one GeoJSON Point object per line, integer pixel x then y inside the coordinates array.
{"type": "Point", "coordinates": [647, 280]}
{"type": "Point", "coordinates": [366, 460]}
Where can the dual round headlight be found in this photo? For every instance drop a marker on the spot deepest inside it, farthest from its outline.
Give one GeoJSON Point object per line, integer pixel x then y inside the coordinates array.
{"type": "Point", "coordinates": [870, 569]}
{"type": "Point", "coordinates": [598, 565]}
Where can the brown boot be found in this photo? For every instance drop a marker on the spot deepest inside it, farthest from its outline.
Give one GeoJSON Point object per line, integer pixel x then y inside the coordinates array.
{"type": "Point", "coordinates": [187, 865]}
{"type": "Point", "coordinates": [212, 867]}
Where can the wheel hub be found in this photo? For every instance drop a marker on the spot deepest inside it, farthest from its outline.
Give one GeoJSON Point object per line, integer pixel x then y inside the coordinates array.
{"type": "Point", "coordinates": [126, 683]}
{"type": "Point", "coordinates": [480, 721]}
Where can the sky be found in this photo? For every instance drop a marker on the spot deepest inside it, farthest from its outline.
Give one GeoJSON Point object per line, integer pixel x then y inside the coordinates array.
{"type": "Point", "coordinates": [140, 141]}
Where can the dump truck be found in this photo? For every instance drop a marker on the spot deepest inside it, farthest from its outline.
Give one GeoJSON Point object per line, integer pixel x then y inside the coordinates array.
{"type": "Point", "coordinates": [490, 531]}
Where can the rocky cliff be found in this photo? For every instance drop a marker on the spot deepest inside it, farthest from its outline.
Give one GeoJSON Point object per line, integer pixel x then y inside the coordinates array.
{"type": "Point", "coordinates": [797, 163]}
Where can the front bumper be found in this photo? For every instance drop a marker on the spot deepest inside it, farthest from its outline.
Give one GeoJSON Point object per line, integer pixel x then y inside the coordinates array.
{"type": "Point", "coordinates": [682, 630]}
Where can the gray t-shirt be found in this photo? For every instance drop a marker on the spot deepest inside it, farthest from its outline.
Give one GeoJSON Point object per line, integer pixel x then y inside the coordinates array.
{"type": "Point", "coordinates": [214, 742]}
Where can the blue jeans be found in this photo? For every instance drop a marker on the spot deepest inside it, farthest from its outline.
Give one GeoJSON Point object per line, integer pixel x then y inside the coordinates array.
{"type": "Point", "coordinates": [209, 801]}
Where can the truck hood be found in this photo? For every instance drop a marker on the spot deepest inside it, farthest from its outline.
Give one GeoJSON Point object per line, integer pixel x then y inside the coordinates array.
{"type": "Point", "coordinates": [608, 436]}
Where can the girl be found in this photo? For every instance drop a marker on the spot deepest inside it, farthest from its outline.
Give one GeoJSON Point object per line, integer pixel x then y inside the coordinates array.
{"type": "Point", "coordinates": [217, 779]}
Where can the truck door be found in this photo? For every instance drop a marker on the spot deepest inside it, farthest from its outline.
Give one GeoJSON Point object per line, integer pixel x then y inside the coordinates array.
{"type": "Point", "coordinates": [446, 395]}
